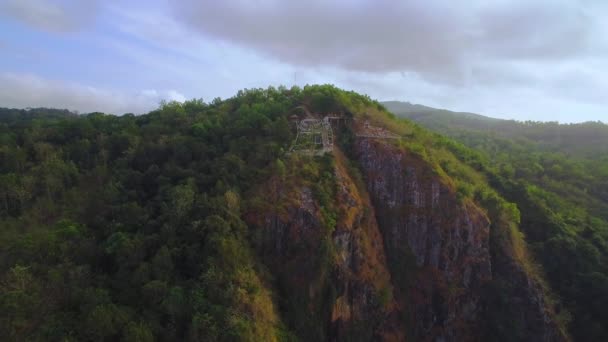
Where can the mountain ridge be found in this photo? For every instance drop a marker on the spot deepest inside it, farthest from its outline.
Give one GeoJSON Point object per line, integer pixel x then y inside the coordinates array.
{"type": "Point", "coordinates": [403, 107]}
{"type": "Point", "coordinates": [193, 222]}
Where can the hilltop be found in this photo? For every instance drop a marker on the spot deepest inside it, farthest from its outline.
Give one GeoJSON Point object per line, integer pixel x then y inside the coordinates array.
{"type": "Point", "coordinates": [197, 222]}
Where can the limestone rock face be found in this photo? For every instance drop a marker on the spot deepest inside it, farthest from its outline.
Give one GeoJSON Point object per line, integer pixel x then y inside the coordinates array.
{"type": "Point", "coordinates": [437, 246]}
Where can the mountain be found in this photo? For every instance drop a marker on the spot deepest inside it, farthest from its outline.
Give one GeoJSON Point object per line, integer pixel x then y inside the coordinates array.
{"type": "Point", "coordinates": [558, 176]}
{"type": "Point", "coordinates": [419, 111]}
{"type": "Point", "coordinates": [222, 221]}
{"type": "Point", "coordinates": [583, 139]}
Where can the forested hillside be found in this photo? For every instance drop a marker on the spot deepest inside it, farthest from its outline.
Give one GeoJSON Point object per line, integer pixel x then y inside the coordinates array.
{"type": "Point", "coordinates": [130, 226]}
{"type": "Point", "coordinates": [557, 174]}
{"type": "Point", "coordinates": [195, 222]}
{"type": "Point", "coordinates": [586, 139]}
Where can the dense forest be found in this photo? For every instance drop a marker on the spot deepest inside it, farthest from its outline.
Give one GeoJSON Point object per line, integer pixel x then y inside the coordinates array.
{"type": "Point", "coordinates": [557, 174]}
{"type": "Point", "coordinates": [172, 226]}
{"type": "Point", "coordinates": [129, 226]}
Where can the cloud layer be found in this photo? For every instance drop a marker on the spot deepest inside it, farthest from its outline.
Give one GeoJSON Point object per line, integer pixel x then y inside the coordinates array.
{"type": "Point", "coordinates": [25, 90]}
{"type": "Point", "coordinates": [538, 60]}
{"type": "Point", "coordinates": [439, 40]}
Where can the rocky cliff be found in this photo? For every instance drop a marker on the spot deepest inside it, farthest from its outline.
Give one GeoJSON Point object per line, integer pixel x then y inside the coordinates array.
{"type": "Point", "coordinates": [445, 241]}
{"type": "Point", "coordinates": [395, 254]}
{"type": "Point", "coordinates": [330, 264]}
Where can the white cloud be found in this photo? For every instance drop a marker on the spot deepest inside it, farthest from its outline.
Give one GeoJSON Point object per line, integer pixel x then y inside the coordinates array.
{"type": "Point", "coordinates": [543, 60]}
{"type": "Point", "coordinates": [27, 90]}
{"type": "Point", "coordinates": [444, 47]}
{"type": "Point", "coordinates": [173, 95]}
{"type": "Point", "coordinates": [440, 40]}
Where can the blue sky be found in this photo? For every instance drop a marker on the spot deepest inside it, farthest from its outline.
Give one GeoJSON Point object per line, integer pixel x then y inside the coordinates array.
{"type": "Point", "coordinates": [526, 60]}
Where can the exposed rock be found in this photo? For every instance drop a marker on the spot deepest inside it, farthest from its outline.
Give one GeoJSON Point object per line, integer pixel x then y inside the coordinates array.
{"type": "Point", "coordinates": [363, 307]}
{"type": "Point", "coordinates": [447, 242]}
{"type": "Point", "coordinates": [408, 259]}
{"type": "Point", "coordinates": [361, 267]}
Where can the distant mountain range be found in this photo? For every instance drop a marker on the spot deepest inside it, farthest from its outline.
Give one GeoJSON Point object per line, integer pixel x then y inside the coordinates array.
{"type": "Point", "coordinates": [588, 138]}
{"type": "Point", "coordinates": [419, 110]}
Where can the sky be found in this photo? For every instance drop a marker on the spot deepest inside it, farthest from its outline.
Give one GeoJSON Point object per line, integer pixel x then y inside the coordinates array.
{"type": "Point", "coordinates": [542, 60]}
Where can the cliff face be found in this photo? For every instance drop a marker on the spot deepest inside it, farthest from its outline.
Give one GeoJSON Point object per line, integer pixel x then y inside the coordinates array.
{"type": "Point", "coordinates": [334, 278]}
{"type": "Point", "coordinates": [394, 256]}
{"type": "Point", "coordinates": [446, 243]}
{"type": "Point", "coordinates": [454, 257]}
{"type": "Point", "coordinates": [361, 270]}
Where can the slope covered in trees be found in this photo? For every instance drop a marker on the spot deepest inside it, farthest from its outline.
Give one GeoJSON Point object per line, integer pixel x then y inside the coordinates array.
{"type": "Point", "coordinates": [557, 174]}
{"type": "Point", "coordinates": [586, 139]}
{"type": "Point", "coordinates": [192, 222]}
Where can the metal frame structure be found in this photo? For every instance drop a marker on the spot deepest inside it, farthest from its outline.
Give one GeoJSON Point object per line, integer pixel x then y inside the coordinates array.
{"type": "Point", "coordinates": [314, 137]}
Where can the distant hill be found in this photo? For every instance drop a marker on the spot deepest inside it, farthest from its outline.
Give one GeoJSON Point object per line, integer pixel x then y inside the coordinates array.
{"type": "Point", "coordinates": [15, 114]}
{"type": "Point", "coordinates": [424, 111]}
{"type": "Point", "coordinates": [586, 139]}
